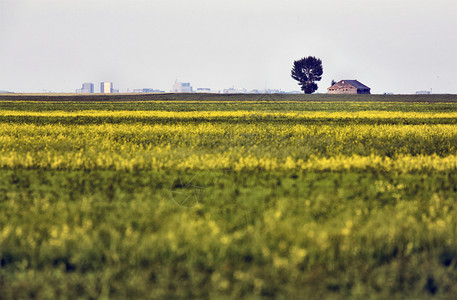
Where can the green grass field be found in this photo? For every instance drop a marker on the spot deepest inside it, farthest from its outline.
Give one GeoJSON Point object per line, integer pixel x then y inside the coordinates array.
{"type": "Point", "coordinates": [228, 197]}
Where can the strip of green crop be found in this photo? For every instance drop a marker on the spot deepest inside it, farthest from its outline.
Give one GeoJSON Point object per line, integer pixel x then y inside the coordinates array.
{"type": "Point", "coordinates": [193, 105]}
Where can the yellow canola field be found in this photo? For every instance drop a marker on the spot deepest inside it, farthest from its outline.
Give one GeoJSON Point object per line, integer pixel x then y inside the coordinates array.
{"type": "Point", "coordinates": [224, 145]}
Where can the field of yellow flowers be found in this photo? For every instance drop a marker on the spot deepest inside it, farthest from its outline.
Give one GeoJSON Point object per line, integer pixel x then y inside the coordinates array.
{"type": "Point", "coordinates": [228, 199]}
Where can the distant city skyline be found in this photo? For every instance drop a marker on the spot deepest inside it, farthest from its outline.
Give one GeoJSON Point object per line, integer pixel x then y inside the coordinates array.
{"type": "Point", "coordinates": [392, 46]}
{"type": "Point", "coordinates": [186, 87]}
{"type": "Point", "coordinates": [177, 87]}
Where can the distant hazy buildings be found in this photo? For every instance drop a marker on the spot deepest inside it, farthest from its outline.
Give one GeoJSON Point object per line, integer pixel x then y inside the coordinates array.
{"type": "Point", "coordinates": [88, 88]}
{"type": "Point", "coordinates": [147, 90]}
{"type": "Point", "coordinates": [348, 87]}
{"type": "Point", "coordinates": [423, 93]}
{"type": "Point", "coordinates": [204, 90]}
{"type": "Point", "coordinates": [181, 87]}
{"type": "Point", "coordinates": [233, 90]}
{"type": "Point", "coordinates": [269, 91]}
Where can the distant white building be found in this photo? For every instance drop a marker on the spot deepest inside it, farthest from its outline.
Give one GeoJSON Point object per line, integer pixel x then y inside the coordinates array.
{"type": "Point", "coordinates": [107, 88]}
{"type": "Point", "coordinates": [87, 88]}
{"type": "Point", "coordinates": [181, 87]}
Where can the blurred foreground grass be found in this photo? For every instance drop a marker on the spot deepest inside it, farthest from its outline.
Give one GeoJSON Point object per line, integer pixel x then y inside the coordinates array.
{"type": "Point", "coordinates": [206, 234]}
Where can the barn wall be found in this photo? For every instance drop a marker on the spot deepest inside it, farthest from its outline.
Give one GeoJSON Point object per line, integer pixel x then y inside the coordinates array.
{"type": "Point", "coordinates": [343, 88]}
{"type": "Point", "coordinates": [346, 88]}
{"type": "Point", "coordinates": [342, 91]}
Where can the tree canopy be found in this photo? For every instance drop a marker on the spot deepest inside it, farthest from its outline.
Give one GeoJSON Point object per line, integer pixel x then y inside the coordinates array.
{"type": "Point", "coordinates": [306, 71]}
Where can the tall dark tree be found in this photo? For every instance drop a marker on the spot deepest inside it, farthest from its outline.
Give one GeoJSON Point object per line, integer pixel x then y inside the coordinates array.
{"type": "Point", "coordinates": [306, 71]}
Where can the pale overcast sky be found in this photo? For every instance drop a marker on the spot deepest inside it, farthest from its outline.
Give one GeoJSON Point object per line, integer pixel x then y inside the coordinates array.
{"type": "Point", "coordinates": [399, 46]}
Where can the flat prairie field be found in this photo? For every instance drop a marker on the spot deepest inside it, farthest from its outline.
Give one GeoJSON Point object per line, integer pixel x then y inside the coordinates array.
{"type": "Point", "coordinates": [197, 197]}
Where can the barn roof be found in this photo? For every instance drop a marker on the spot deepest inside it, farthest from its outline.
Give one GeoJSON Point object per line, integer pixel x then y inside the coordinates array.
{"type": "Point", "coordinates": [355, 84]}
